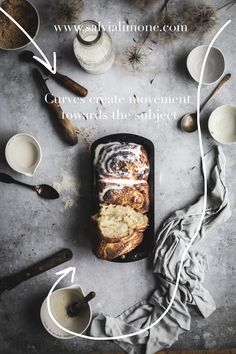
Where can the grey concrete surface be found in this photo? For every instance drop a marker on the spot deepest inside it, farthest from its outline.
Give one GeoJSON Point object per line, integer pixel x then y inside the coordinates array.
{"type": "Point", "coordinates": [31, 228]}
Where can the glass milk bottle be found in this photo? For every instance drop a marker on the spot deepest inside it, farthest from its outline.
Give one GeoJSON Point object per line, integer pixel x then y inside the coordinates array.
{"type": "Point", "coordinates": [93, 48]}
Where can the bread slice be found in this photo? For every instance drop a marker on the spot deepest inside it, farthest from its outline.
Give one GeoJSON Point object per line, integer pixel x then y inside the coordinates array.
{"type": "Point", "coordinates": [117, 223]}
{"type": "Point", "coordinates": [110, 250]}
{"type": "Point", "coordinates": [135, 195]}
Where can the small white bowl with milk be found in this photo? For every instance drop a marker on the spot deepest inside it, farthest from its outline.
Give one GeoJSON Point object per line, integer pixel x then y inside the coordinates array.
{"type": "Point", "coordinates": [23, 154]}
{"type": "Point", "coordinates": [59, 302]}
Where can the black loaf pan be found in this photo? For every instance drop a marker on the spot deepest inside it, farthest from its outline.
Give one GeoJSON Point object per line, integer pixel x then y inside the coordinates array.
{"type": "Point", "coordinates": [147, 245]}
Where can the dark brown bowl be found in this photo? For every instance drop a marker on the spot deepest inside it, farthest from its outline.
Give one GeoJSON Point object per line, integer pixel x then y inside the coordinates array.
{"type": "Point", "coordinates": [147, 245]}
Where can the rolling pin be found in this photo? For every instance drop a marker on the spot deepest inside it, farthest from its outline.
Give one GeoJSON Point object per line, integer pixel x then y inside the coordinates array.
{"type": "Point", "coordinates": [64, 80]}
{"type": "Point", "coordinates": [67, 130]}
{"type": "Point", "coordinates": [11, 281]}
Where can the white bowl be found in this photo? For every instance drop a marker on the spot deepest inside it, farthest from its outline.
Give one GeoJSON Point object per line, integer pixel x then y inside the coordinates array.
{"type": "Point", "coordinates": [59, 301]}
{"type": "Point", "coordinates": [36, 31]}
{"type": "Point", "coordinates": [23, 154]}
{"type": "Point", "coordinates": [215, 64]}
{"type": "Point", "coordinates": [222, 124]}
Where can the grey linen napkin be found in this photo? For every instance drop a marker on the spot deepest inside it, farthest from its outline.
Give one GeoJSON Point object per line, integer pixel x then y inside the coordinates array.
{"type": "Point", "coordinates": [173, 237]}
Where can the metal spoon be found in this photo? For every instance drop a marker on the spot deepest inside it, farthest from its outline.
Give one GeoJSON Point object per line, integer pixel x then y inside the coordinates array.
{"type": "Point", "coordinates": [43, 190]}
{"type": "Point", "coordinates": [189, 121]}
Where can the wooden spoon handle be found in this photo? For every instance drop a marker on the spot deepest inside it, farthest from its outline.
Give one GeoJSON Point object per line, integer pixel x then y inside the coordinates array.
{"type": "Point", "coordinates": [75, 308]}
{"type": "Point", "coordinates": [71, 84]}
{"type": "Point", "coordinates": [216, 89]}
{"type": "Point", "coordinates": [68, 131]}
{"type": "Point", "coordinates": [89, 297]}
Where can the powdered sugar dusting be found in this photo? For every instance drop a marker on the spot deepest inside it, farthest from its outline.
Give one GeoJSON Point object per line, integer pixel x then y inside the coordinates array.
{"type": "Point", "coordinates": [69, 189]}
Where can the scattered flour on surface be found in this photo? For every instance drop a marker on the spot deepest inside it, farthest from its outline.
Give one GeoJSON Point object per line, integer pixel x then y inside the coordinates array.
{"type": "Point", "coordinates": [68, 187]}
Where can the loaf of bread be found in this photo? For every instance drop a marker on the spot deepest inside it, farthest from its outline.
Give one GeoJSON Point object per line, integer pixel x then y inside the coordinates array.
{"type": "Point", "coordinates": [121, 173]}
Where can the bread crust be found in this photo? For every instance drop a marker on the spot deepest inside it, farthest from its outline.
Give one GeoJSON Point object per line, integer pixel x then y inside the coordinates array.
{"type": "Point", "coordinates": [110, 250]}
{"type": "Point", "coordinates": [136, 196]}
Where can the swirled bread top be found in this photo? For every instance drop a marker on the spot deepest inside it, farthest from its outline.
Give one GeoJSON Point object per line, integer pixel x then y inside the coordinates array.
{"type": "Point", "coordinates": [121, 163]}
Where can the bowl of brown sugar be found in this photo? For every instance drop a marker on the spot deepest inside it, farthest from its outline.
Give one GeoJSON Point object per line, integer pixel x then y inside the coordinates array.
{"type": "Point", "coordinates": [26, 15]}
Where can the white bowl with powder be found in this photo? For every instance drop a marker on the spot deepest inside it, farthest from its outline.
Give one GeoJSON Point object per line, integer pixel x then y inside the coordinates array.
{"type": "Point", "coordinates": [26, 15]}
{"type": "Point", "coordinates": [23, 154]}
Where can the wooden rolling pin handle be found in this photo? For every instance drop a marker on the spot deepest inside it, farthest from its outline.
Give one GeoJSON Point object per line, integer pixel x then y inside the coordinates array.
{"type": "Point", "coordinates": [216, 89]}
{"type": "Point", "coordinates": [71, 84]}
{"type": "Point", "coordinates": [89, 297]}
{"type": "Point", "coordinates": [68, 131]}
{"type": "Point", "coordinates": [58, 258]}
{"type": "Point", "coordinates": [75, 308]}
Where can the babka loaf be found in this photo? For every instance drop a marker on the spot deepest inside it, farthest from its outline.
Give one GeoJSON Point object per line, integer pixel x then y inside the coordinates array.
{"type": "Point", "coordinates": [121, 173]}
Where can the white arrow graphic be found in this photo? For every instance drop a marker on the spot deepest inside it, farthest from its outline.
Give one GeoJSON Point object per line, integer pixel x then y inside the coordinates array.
{"type": "Point", "coordinates": [44, 62]}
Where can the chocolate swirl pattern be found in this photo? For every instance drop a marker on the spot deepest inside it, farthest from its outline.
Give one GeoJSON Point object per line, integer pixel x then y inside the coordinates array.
{"type": "Point", "coordinates": [122, 160]}
{"type": "Point", "coordinates": [122, 171]}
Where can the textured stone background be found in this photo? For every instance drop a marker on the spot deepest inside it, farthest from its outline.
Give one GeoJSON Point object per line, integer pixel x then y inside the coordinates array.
{"type": "Point", "coordinates": [32, 228]}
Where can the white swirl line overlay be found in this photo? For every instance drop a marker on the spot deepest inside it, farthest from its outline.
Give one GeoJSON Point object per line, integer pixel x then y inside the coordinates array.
{"type": "Point", "coordinates": [72, 269]}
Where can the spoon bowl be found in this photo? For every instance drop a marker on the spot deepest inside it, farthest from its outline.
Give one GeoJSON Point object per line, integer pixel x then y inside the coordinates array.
{"type": "Point", "coordinates": [189, 122]}
{"type": "Point", "coordinates": [46, 191]}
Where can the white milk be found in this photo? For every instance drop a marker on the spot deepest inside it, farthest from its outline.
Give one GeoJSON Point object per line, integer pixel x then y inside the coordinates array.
{"type": "Point", "coordinates": [59, 302]}
{"type": "Point", "coordinates": [93, 48]}
{"type": "Point", "coordinates": [23, 153]}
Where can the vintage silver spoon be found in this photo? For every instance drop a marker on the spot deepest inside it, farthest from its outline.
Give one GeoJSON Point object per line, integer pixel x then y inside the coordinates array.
{"type": "Point", "coordinates": [189, 121]}
{"type": "Point", "coordinates": [74, 309]}
{"type": "Point", "coordinates": [43, 190]}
